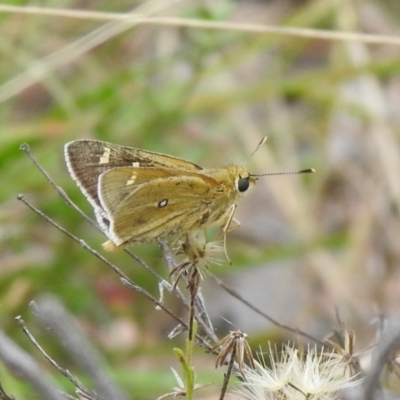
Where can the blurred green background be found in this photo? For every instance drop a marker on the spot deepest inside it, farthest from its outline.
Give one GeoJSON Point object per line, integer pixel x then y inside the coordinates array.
{"type": "Point", "coordinates": [307, 244]}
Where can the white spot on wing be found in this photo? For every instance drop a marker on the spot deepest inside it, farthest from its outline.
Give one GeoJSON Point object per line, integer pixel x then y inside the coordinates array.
{"type": "Point", "coordinates": [163, 203]}
{"type": "Point", "coordinates": [105, 157]}
{"type": "Point", "coordinates": [136, 164]}
{"type": "Point", "coordinates": [132, 179]}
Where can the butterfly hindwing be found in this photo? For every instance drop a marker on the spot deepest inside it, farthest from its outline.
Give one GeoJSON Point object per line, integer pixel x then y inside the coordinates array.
{"type": "Point", "coordinates": [160, 208]}
{"type": "Point", "coordinates": [116, 184]}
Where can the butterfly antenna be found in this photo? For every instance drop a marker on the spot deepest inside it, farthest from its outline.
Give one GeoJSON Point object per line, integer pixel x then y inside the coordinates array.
{"type": "Point", "coordinates": [303, 171]}
{"type": "Point", "coordinates": [263, 140]}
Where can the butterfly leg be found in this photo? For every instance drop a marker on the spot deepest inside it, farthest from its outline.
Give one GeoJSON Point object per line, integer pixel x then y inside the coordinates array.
{"type": "Point", "coordinates": [226, 228]}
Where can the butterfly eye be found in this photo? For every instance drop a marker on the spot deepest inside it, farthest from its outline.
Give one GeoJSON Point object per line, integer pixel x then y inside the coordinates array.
{"type": "Point", "coordinates": [243, 184]}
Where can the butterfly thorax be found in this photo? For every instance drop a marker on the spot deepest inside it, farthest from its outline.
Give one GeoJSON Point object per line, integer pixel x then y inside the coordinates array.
{"type": "Point", "coordinates": [231, 184]}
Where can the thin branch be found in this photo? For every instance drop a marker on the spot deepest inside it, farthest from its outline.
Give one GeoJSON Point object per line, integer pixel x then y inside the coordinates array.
{"type": "Point", "coordinates": [27, 369]}
{"type": "Point", "coordinates": [228, 374]}
{"type": "Point", "coordinates": [22, 198]}
{"type": "Point", "coordinates": [54, 316]}
{"type": "Point", "coordinates": [389, 342]}
{"type": "Point", "coordinates": [203, 24]}
{"type": "Point", "coordinates": [39, 68]}
{"type": "Point", "coordinates": [63, 371]}
{"type": "Point", "coordinates": [27, 150]}
{"type": "Point", "coordinates": [202, 316]}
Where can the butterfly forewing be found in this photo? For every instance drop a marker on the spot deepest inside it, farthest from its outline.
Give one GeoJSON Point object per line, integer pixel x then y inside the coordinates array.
{"type": "Point", "coordinates": [88, 159]}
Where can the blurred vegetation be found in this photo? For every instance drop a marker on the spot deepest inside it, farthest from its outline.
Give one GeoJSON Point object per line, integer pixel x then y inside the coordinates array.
{"type": "Point", "coordinates": [207, 96]}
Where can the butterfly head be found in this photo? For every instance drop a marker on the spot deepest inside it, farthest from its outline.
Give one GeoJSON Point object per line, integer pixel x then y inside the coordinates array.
{"type": "Point", "coordinates": [244, 181]}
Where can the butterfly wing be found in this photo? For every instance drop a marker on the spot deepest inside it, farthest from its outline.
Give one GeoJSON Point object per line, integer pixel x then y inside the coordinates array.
{"type": "Point", "coordinates": [118, 183]}
{"type": "Point", "coordinates": [162, 207]}
{"type": "Point", "coordinates": [87, 159]}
